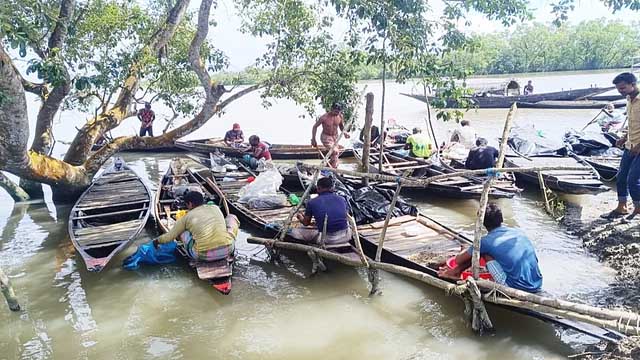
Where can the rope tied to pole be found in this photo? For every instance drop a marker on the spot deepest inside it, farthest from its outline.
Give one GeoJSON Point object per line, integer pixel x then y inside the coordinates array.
{"type": "Point", "coordinates": [492, 172]}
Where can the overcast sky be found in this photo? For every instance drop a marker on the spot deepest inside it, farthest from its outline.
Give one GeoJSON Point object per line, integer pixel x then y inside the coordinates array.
{"type": "Point", "coordinates": [243, 49]}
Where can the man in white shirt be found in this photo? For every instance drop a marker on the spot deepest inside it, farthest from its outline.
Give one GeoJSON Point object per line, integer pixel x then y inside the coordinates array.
{"type": "Point", "coordinates": [465, 135]}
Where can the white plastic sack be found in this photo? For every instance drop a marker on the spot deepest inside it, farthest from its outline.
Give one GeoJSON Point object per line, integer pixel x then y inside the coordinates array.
{"type": "Point", "coordinates": [455, 151]}
{"type": "Point", "coordinates": [266, 184]}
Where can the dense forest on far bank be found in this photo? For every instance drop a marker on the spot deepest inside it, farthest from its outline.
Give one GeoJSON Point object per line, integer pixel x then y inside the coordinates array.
{"type": "Point", "coordinates": [589, 45]}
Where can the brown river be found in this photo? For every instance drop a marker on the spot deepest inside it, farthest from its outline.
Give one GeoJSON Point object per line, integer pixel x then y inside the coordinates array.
{"type": "Point", "coordinates": [279, 312]}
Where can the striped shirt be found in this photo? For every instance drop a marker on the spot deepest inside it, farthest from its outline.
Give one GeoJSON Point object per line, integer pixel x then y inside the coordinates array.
{"type": "Point", "coordinates": [206, 225]}
{"type": "Point", "coordinates": [633, 112]}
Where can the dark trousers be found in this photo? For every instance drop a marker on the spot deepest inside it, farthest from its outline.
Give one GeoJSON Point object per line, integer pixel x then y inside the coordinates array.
{"type": "Point", "coordinates": [148, 130]}
{"type": "Point", "coordinates": [628, 179]}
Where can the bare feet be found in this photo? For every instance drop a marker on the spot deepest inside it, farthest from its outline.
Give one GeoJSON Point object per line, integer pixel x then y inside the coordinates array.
{"type": "Point", "coordinates": [449, 273]}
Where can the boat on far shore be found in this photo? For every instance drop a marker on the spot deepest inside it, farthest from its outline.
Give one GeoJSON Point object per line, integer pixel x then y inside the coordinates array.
{"type": "Point", "coordinates": [497, 101]}
{"type": "Point", "coordinates": [574, 104]}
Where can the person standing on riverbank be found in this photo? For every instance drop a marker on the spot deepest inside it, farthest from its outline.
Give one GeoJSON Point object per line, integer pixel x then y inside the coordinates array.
{"type": "Point", "coordinates": [628, 178]}
{"type": "Point", "coordinates": [330, 122]}
{"type": "Point", "coordinates": [146, 117]}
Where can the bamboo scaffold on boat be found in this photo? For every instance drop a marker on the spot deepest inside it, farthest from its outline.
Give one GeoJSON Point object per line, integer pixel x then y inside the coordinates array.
{"type": "Point", "coordinates": [625, 322]}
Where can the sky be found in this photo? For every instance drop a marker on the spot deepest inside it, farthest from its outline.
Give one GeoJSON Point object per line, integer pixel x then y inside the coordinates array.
{"type": "Point", "coordinates": [243, 49]}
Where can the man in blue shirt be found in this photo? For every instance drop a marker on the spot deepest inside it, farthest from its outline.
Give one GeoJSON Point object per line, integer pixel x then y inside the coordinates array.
{"type": "Point", "coordinates": [330, 205]}
{"type": "Point", "coordinates": [511, 258]}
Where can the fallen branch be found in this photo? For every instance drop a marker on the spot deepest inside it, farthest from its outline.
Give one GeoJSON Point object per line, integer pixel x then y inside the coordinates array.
{"type": "Point", "coordinates": [7, 291]}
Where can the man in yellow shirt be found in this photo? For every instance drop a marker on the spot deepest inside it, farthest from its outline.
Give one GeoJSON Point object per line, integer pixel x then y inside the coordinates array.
{"type": "Point", "coordinates": [419, 144]}
{"type": "Point", "coordinates": [628, 179]}
{"type": "Point", "coordinates": [204, 231]}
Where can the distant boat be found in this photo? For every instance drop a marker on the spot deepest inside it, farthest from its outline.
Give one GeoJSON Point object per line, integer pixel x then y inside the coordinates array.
{"type": "Point", "coordinates": [575, 104]}
{"type": "Point", "coordinates": [493, 101]}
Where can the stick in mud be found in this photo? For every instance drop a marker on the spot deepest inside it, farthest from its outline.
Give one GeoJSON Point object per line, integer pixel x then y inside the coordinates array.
{"type": "Point", "coordinates": [7, 291]}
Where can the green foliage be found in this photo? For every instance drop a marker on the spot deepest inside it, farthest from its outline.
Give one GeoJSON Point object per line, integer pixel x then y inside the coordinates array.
{"type": "Point", "coordinates": [595, 44]}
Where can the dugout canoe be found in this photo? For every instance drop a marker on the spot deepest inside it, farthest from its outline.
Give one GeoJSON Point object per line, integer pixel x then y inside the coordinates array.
{"type": "Point", "coordinates": [503, 102]}
{"type": "Point", "coordinates": [577, 104]}
{"type": "Point", "coordinates": [217, 273]}
{"type": "Point", "coordinates": [278, 151]}
{"type": "Point", "coordinates": [109, 215]}
{"type": "Point", "coordinates": [271, 220]}
{"type": "Point", "coordinates": [458, 187]}
{"type": "Point", "coordinates": [585, 181]}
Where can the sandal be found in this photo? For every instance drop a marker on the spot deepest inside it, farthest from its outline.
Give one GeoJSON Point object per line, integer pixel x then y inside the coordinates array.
{"type": "Point", "coordinates": [630, 218]}
{"type": "Point", "coordinates": [612, 215]}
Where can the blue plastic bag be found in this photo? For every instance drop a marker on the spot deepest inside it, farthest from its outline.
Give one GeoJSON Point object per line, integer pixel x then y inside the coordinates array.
{"type": "Point", "coordinates": [148, 254]}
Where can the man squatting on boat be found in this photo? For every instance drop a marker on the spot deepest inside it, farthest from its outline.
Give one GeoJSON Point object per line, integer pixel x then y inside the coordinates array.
{"type": "Point", "coordinates": [509, 254]}
{"type": "Point", "coordinates": [204, 231]}
{"type": "Point", "coordinates": [330, 122]}
{"type": "Point", "coordinates": [328, 204]}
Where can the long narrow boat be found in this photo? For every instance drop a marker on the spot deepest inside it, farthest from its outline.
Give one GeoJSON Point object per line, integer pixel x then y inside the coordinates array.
{"type": "Point", "coordinates": [585, 181]}
{"type": "Point", "coordinates": [572, 104]}
{"type": "Point", "coordinates": [270, 220]}
{"type": "Point", "coordinates": [278, 151]}
{"type": "Point", "coordinates": [458, 187]}
{"type": "Point", "coordinates": [499, 101]}
{"type": "Point", "coordinates": [421, 243]}
{"type": "Point", "coordinates": [109, 215]}
{"type": "Point", "coordinates": [181, 177]}
{"type": "Point", "coordinates": [606, 166]}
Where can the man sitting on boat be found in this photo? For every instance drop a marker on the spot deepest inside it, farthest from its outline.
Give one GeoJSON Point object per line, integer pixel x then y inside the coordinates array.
{"type": "Point", "coordinates": [509, 254]}
{"type": "Point", "coordinates": [419, 144]}
{"type": "Point", "coordinates": [204, 231]}
{"type": "Point", "coordinates": [482, 156]}
{"type": "Point", "coordinates": [464, 134]}
{"type": "Point", "coordinates": [628, 179]}
{"type": "Point", "coordinates": [331, 122]}
{"type": "Point", "coordinates": [528, 89]}
{"type": "Point", "coordinates": [330, 205]}
{"type": "Point", "coordinates": [257, 152]}
{"type": "Point", "coordinates": [375, 135]}
{"type": "Point", "coordinates": [609, 119]}
{"type": "Point", "coordinates": [234, 137]}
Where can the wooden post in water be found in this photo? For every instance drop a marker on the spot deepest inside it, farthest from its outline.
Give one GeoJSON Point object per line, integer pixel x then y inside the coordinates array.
{"type": "Point", "coordinates": [368, 120]}
{"type": "Point", "coordinates": [7, 291]}
{"type": "Point", "coordinates": [480, 318]}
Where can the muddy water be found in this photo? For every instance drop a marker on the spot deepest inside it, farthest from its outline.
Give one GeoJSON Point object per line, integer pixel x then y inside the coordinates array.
{"type": "Point", "coordinates": [278, 312]}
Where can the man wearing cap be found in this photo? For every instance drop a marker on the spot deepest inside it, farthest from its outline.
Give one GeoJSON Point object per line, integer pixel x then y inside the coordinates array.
{"type": "Point", "coordinates": [234, 137]}
{"type": "Point", "coordinates": [146, 117]}
{"type": "Point", "coordinates": [331, 122]}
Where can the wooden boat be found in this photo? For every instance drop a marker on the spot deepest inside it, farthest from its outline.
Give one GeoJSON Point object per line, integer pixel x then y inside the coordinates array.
{"type": "Point", "coordinates": [606, 97]}
{"type": "Point", "coordinates": [278, 151]}
{"type": "Point", "coordinates": [288, 172]}
{"type": "Point", "coordinates": [505, 181]}
{"type": "Point", "coordinates": [109, 215]}
{"type": "Point", "coordinates": [457, 187]}
{"type": "Point", "coordinates": [423, 244]}
{"type": "Point", "coordinates": [607, 167]}
{"type": "Point", "coordinates": [574, 104]}
{"type": "Point", "coordinates": [585, 181]}
{"type": "Point", "coordinates": [500, 101]}
{"type": "Point", "coordinates": [269, 220]}
{"type": "Point", "coordinates": [217, 273]}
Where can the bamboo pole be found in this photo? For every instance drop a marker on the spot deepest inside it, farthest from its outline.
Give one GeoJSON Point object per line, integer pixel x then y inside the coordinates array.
{"type": "Point", "coordinates": [368, 120]}
{"type": "Point", "coordinates": [383, 233]}
{"type": "Point", "coordinates": [427, 181]}
{"type": "Point", "coordinates": [543, 188]}
{"type": "Point", "coordinates": [484, 198]}
{"type": "Point", "coordinates": [621, 321]}
{"type": "Point", "coordinates": [307, 192]}
{"type": "Point", "coordinates": [356, 240]}
{"type": "Point", "coordinates": [7, 291]}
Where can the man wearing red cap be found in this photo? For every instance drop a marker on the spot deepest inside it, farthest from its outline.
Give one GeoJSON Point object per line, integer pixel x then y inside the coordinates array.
{"type": "Point", "coordinates": [234, 137]}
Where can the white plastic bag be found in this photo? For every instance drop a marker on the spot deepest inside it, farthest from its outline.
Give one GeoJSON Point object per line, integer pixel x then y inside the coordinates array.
{"type": "Point", "coordinates": [266, 184]}
{"type": "Point", "coordinates": [455, 151]}
{"type": "Point", "coordinates": [268, 202]}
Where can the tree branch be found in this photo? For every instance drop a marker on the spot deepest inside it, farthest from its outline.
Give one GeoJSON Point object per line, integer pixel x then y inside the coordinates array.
{"type": "Point", "coordinates": [196, 44]}
{"type": "Point", "coordinates": [240, 94]}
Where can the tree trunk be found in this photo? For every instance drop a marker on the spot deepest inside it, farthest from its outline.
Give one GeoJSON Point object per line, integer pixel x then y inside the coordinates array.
{"type": "Point", "coordinates": [16, 192]}
{"type": "Point", "coordinates": [33, 188]}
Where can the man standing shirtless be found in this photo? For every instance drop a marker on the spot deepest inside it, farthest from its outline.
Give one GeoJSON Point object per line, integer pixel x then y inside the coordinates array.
{"type": "Point", "coordinates": [330, 122]}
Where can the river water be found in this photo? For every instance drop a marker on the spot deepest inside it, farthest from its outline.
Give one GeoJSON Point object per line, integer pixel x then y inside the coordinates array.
{"type": "Point", "coordinates": [279, 312]}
